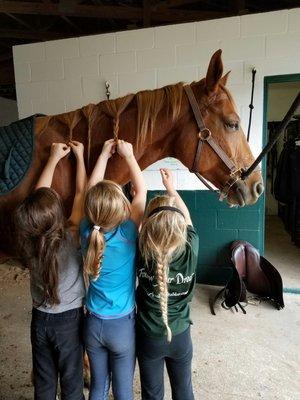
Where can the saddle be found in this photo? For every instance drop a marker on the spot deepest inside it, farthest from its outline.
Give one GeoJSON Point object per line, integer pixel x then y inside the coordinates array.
{"type": "Point", "coordinates": [250, 273]}
{"type": "Point", "coordinates": [16, 152]}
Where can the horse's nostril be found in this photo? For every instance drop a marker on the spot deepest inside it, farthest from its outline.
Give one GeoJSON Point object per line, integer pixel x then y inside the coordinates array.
{"type": "Point", "coordinates": [258, 188]}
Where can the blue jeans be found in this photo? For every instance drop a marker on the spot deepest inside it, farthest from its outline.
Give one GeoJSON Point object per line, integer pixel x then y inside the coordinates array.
{"type": "Point", "coordinates": [153, 354]}
{"type": "Point", "coordinates": [57, 351]}
{"type": "Point", "coordinates": [110, 345]}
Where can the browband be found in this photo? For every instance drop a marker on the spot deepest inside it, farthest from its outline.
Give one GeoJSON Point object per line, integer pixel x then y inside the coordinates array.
{"type": "Point", "coordinates": [165, 208]}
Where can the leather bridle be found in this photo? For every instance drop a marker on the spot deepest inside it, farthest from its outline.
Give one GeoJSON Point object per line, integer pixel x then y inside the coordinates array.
{"type": "Point", "coordinates": [205, 136]}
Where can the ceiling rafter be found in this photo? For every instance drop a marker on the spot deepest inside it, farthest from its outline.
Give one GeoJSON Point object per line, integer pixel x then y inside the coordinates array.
{"type": "Point", "coordinates": [176, 3]}
{"type": "Point", "coordinates": [19, 20]}
{"type": "Point", "coordinates": [104, 12]}
{"type": "Point", "coordinates": [27, 21]}
{"type": "Point", "coordinates": [72, 10]}
{"type": "Point", "coordinates": [33, 35]}
{"type": "Point", "coordinates": [6, 56]}
{"type": "Point", "coordinates": [71, 23]}
{"type": "Point", "coordinates": [146, 13]}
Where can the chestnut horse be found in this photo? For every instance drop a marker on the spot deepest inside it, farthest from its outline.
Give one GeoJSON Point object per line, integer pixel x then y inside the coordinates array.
{"type": "Point", "coordinates": [159, 123]}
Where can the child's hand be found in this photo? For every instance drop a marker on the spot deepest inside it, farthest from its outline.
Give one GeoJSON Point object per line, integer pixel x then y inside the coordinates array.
{"type": "Point", "coordinates": [167, 179]}
{"type": "Point", "coordinates": [125, 149]}
{"type": "Point", "coordinates": [77, 148]}
{"type": "Point", "coordinates": [59, 151]}
{"type": "Point", "coordinates": [109, 148]}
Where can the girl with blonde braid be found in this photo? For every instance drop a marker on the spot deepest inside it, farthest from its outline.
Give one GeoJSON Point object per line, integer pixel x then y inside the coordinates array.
{"type": "Point", "coordinates": [166, 272]}
{"type": "Point", "coordinates": [109, 241]}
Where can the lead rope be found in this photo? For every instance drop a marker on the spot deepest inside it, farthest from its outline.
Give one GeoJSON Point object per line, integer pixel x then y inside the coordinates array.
{"type": "Point", "coordinates": [269, 145]}
{"type": "Point", "coordinates": [251, 106]}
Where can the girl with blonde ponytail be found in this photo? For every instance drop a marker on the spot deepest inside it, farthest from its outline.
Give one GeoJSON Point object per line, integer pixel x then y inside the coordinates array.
{"type": "Point", "coordinates": [166, 271]}
{"type": "Point", "coordinates": [109, 242]}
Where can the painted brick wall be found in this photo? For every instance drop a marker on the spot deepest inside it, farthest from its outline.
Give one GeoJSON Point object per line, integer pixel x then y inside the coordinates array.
{"type": "Point", "coordinates": [59, 76]}
{"type": "Point", "coordinates": [62, 75]}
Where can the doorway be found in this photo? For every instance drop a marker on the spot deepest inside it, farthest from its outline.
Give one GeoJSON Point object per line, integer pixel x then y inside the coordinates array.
{"type": "Point", "coordinates": [282, 203]}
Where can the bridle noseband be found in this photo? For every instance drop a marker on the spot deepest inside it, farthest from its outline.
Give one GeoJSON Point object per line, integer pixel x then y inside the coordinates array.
{"type": "Point", "coordinates": [205, 136]}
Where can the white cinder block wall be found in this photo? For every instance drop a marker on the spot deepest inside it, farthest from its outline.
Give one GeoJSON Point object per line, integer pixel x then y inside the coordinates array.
{"type": "Point", "coordinates": [58, 76]}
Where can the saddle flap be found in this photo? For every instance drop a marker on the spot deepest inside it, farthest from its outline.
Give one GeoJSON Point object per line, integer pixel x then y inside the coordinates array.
{"type": "Point", "coordinates": [238, 258]}
{"type": "Point", "coordinates": [235, 290]}
{"type": "Point", "coordinates": [256, 280]}
{"type": "Point", "coordinates": [275, 281]}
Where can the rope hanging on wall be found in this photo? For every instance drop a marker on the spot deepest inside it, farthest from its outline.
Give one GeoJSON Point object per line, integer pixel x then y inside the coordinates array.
{"type": "Point", "coordinates": [251, 106]}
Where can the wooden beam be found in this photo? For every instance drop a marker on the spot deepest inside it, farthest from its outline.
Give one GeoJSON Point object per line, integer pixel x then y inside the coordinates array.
{"type": "Point", "coordinates": [186, 15]}
{"type": "Point", "coordinates": [239, 7]}
{"type": "Point", "coordinates": [19, 20]}
{"type": "Point", "coordinates": [146, 13]}
{"type": "Point", "coordinates": [71, 23]}
{"type": "Point", "coordinates": [6, 56]}
{"type": "Point", "coordinates": [71, 10]}
{"type": "Point", "coordinates": [6, 45]}
{"type": "Point", "coordinates": [176, 3]}
{"type": "Point", "coordinates": [104, 12]}
{"type": "Point", "coordinates": [33, 35]}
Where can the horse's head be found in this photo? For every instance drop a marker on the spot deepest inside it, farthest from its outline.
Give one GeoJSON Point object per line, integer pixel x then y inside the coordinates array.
{"type": "Point", "coordinates": [221, 119]}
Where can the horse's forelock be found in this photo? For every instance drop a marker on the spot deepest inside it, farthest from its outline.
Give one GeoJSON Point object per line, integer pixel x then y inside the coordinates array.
{"type": "Point", "coordinates": [229, 96]}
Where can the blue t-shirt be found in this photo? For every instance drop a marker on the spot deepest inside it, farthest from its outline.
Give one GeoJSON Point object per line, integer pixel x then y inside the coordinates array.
{"type": "Point", "coordinates": [112, 295]}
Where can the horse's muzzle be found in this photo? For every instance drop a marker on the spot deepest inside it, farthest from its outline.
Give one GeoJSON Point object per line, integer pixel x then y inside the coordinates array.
{"type": "Point", "coordinates": [243, 194]}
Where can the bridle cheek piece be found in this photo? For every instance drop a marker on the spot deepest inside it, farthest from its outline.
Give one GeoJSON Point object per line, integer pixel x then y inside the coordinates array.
{"type": "Point", "coordinates": [205, 136]}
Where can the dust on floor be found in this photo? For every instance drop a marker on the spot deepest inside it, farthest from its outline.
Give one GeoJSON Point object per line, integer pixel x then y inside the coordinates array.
{"type": "Point", "coordinates": [253, 356]}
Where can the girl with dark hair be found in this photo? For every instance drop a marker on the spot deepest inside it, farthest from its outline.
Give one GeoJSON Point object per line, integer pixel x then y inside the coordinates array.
{"type": "Point", "coordinates": [109, 240]}
{"type": "Point", "coordinates": [166, 272]}
{"type": "Point", "coordinates": [48, 246]}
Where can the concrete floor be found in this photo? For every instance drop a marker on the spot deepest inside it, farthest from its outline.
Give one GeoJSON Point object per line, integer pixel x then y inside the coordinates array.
{"type": "Point", "coordinates": [236, 356]}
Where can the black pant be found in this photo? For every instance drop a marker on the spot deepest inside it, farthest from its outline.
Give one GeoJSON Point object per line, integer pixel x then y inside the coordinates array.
{"type": "Point", "coordinates": [153, 354]}
{"type": "Point", "coordinates": [57, 350]}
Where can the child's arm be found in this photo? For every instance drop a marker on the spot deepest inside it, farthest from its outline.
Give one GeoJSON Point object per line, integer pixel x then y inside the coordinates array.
{"type": "Point", "coordinates": [58, 151]}
{"type": "Point", "coordinates": [167, 180]}
{"type": "Point", "coordinates": [109, 148]}
{"type": "Point", "coordinates": [77, 209]}
{"type": "Point", "coordinates": [140, 192]}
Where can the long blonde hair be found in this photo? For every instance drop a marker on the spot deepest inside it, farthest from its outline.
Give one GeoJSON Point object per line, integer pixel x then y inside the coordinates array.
{"type": "Point", "coordinates": [162, 235]}
{"type": "Point", "coordinates": [106, 207]}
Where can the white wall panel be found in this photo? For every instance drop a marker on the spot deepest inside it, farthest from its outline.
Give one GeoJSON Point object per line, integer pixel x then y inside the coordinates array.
{"type": "Point", "coordinates": [62, 75]}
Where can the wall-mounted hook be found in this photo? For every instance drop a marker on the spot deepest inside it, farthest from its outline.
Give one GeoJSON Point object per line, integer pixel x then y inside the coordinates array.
{"type": "Point", "coordinates": [107, 86]}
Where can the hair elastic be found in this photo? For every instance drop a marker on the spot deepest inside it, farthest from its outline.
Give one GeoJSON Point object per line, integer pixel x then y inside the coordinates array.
{"type": "Point", "coordinates": [165, 208]}
{"type": "Point", "coordinates": [97, 227]}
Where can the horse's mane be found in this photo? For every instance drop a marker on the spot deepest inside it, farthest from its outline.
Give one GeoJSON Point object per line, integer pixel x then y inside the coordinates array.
{"type": "Point", "coordinates": [149, 103]}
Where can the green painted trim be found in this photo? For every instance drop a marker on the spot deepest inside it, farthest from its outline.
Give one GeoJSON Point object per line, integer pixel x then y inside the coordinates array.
{"type": "Point", "coordinates": [291, 290]}
{"type": "Point", "coordinates": [267, 81]}
{"type": "Point", "coordinates": [281, 78]}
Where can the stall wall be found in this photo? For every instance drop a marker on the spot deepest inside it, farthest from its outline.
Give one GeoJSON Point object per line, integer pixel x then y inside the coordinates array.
{"type": "Point", "coordinates": [58, 76]}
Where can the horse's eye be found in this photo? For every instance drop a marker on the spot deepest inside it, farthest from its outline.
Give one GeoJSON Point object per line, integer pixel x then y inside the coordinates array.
{"type": "Point", "coordinates": [233, 126]}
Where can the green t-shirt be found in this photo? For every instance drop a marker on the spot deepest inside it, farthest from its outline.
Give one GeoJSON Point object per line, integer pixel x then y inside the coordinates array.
{"type": "Point", "coordinates": [181, 283]}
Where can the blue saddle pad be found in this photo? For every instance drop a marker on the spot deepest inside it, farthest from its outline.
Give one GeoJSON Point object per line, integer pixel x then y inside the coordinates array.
{"type": "Point", "coordinates": [16, 151]}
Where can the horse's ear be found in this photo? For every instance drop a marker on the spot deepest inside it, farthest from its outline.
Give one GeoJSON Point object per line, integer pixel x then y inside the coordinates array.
{"type": "Point", "coordinates": [214, 72]}
{"type": "Point", "coordinates": [224, 79]}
